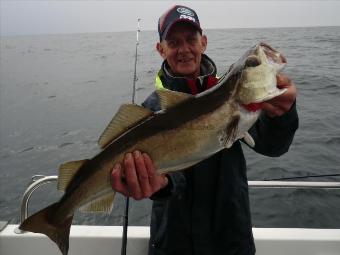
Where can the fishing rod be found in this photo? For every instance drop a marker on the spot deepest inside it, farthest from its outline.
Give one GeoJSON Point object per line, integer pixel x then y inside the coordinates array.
{"type": "Point", "coordinates": [127, 199]}
{"type": "Point", "coordinates": [135, 69]}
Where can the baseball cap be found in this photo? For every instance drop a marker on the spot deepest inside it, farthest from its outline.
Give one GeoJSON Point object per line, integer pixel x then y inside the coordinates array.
{"type": "Point", "coordinates": [177, 13]}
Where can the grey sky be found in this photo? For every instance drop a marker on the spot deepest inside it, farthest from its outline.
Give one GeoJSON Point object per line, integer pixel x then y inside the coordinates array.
{"type": "Point", "coordinates": [54, 17]}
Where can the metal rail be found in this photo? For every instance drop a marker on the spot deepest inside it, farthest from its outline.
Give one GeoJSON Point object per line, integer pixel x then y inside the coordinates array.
{"type": "Point", "coordinates": [40, 180]}
{"type": "Point", "coordinates": [37, 181]}
{"type": "Point", "coordinates": [294, 184]}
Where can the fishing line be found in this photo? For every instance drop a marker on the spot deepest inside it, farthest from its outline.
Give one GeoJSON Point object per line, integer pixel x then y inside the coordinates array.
{"type": "Point", "coordinates": [127, 199]}
{"type": "Point", "coordinates": [302, 177]}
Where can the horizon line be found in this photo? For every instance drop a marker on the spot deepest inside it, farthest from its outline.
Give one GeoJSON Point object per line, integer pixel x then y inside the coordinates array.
{"type": "Point", "coordinates": [151, 30]}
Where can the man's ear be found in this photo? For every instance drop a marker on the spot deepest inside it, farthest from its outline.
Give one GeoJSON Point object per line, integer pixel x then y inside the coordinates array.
{"type": "Point", "coordinates": [204, 41]}
{"type": "Point", "coordinates": [160, 50]}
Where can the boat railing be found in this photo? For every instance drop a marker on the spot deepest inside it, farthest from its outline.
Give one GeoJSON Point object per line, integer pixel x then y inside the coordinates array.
{"type": "Point", "coordinates": [40, 180]}
{"type": "Point", "coordinates": [294, 184]}
{"type": "Point", "coordinates": [37, 181]}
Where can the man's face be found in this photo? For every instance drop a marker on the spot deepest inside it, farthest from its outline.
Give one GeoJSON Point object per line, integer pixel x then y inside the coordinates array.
{"type": "Point", "coordinates": [183, 48]}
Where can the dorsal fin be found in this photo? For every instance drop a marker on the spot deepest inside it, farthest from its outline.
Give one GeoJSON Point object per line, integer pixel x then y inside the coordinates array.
{"type": "Point", "coordinates": [127, 116]}
{"type": "Point", "coordinates": [67, 171]}
{"type": "Point", "coordinates": [169, 98]}
{"type": "Point", "coordinates": [103, 204]}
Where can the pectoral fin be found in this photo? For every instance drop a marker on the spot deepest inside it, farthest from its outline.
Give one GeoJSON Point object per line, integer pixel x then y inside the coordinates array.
{"type": "Point", "coordinates": [229, 136]}
{"type": "Point", "coordinates": [249, 140]}
{"type": "Point", "coordinates": [127, 116]}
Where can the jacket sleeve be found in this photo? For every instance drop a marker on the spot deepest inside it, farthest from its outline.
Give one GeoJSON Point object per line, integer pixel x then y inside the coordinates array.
{"type": "Point", "coordinates": [177, 180]}
{"type": "Point", "coordinates": [273, 136]}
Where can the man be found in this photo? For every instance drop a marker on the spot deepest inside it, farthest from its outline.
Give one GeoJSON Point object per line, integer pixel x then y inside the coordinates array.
{"type": "Point", "coordinates": [204, 209]}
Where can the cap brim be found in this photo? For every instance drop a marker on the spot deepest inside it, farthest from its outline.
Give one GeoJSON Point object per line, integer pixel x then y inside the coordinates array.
{"type": "Point", "coordinates": [171, 25]}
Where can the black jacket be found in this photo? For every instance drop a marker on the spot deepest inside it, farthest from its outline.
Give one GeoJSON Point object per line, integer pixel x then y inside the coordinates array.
{"type": "Point", "coordinates": [205, 209]}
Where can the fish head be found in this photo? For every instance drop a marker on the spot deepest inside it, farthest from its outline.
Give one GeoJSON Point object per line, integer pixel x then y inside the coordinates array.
{"type": "Point", "coordinates": [258, 69]}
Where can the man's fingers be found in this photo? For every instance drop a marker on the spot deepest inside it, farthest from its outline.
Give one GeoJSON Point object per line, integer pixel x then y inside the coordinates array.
{"type": "Point", "coordinates": [151, 171]}
{"type": "Point", "coordinates": [272, 110]}
{"type": "Point", "coordinates": [142, 174]}
{"type": "Point", "coordinates": [283, 81]}
{"type": "Point", "coordinates": [117, 182]}
{"type": "Point", "coordinates": [131, 177]}
{"type": "Point", "coordinates": [281, 104]}
{"type": "Point", "coordinates": [156, 181]}
{"type": "Point", "coordinates": [141, 178]}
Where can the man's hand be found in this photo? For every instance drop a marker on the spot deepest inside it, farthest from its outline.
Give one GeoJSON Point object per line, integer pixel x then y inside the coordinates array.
{"type": "Point", "coordinates": [137, 177]}
{"type": "Point", "coordinates": [281, 104]}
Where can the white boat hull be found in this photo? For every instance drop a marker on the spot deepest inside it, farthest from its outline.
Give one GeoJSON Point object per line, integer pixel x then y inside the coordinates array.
{"type": "Point", "coordinates": [106, 240]}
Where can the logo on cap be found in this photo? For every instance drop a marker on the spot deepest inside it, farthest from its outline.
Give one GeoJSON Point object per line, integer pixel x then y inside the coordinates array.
{"type": "Point", "coordinates": [185, 11]}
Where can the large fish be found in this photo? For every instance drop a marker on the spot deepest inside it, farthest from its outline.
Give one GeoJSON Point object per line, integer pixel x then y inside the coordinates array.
{"type": "Point", "coordinates": [186, 131]}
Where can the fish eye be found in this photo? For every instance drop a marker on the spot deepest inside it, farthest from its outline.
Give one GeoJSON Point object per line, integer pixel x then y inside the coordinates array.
{"type": "Point", "coordinates": [252, 61]}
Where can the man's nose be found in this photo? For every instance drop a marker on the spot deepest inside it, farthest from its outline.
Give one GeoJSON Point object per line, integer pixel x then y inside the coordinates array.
{"type": "Point", "coordinates": [184, 47]}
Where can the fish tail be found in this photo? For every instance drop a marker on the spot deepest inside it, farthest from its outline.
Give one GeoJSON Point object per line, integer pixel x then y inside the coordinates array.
{"type": "Point", "coordinates": [40, 222]}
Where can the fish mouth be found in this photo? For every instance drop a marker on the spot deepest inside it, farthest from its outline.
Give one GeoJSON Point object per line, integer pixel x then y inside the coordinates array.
{"type": "Point", "coordinates": [273, 55]}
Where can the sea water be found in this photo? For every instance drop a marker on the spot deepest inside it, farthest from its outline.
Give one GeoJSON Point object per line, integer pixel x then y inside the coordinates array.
{"type": "Point", "coordinates": [58, 92]}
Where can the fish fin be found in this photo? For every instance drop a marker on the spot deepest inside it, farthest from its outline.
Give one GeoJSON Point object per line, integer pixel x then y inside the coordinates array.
{"type": "Point", "coordinates": [249, 140]}
{"type": "Point", "coordinates": [169, 98]}
{"type": "Point", "coordinates": [67, 172]}
{"type": "Point", "coordinates": [127, 116]}
{"type": "Point", "coordinates": [231, 131]}
{"type": "Point", "coordinates": [58, 233]}
{"type": "Point", "coordinates": [103, 204]}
